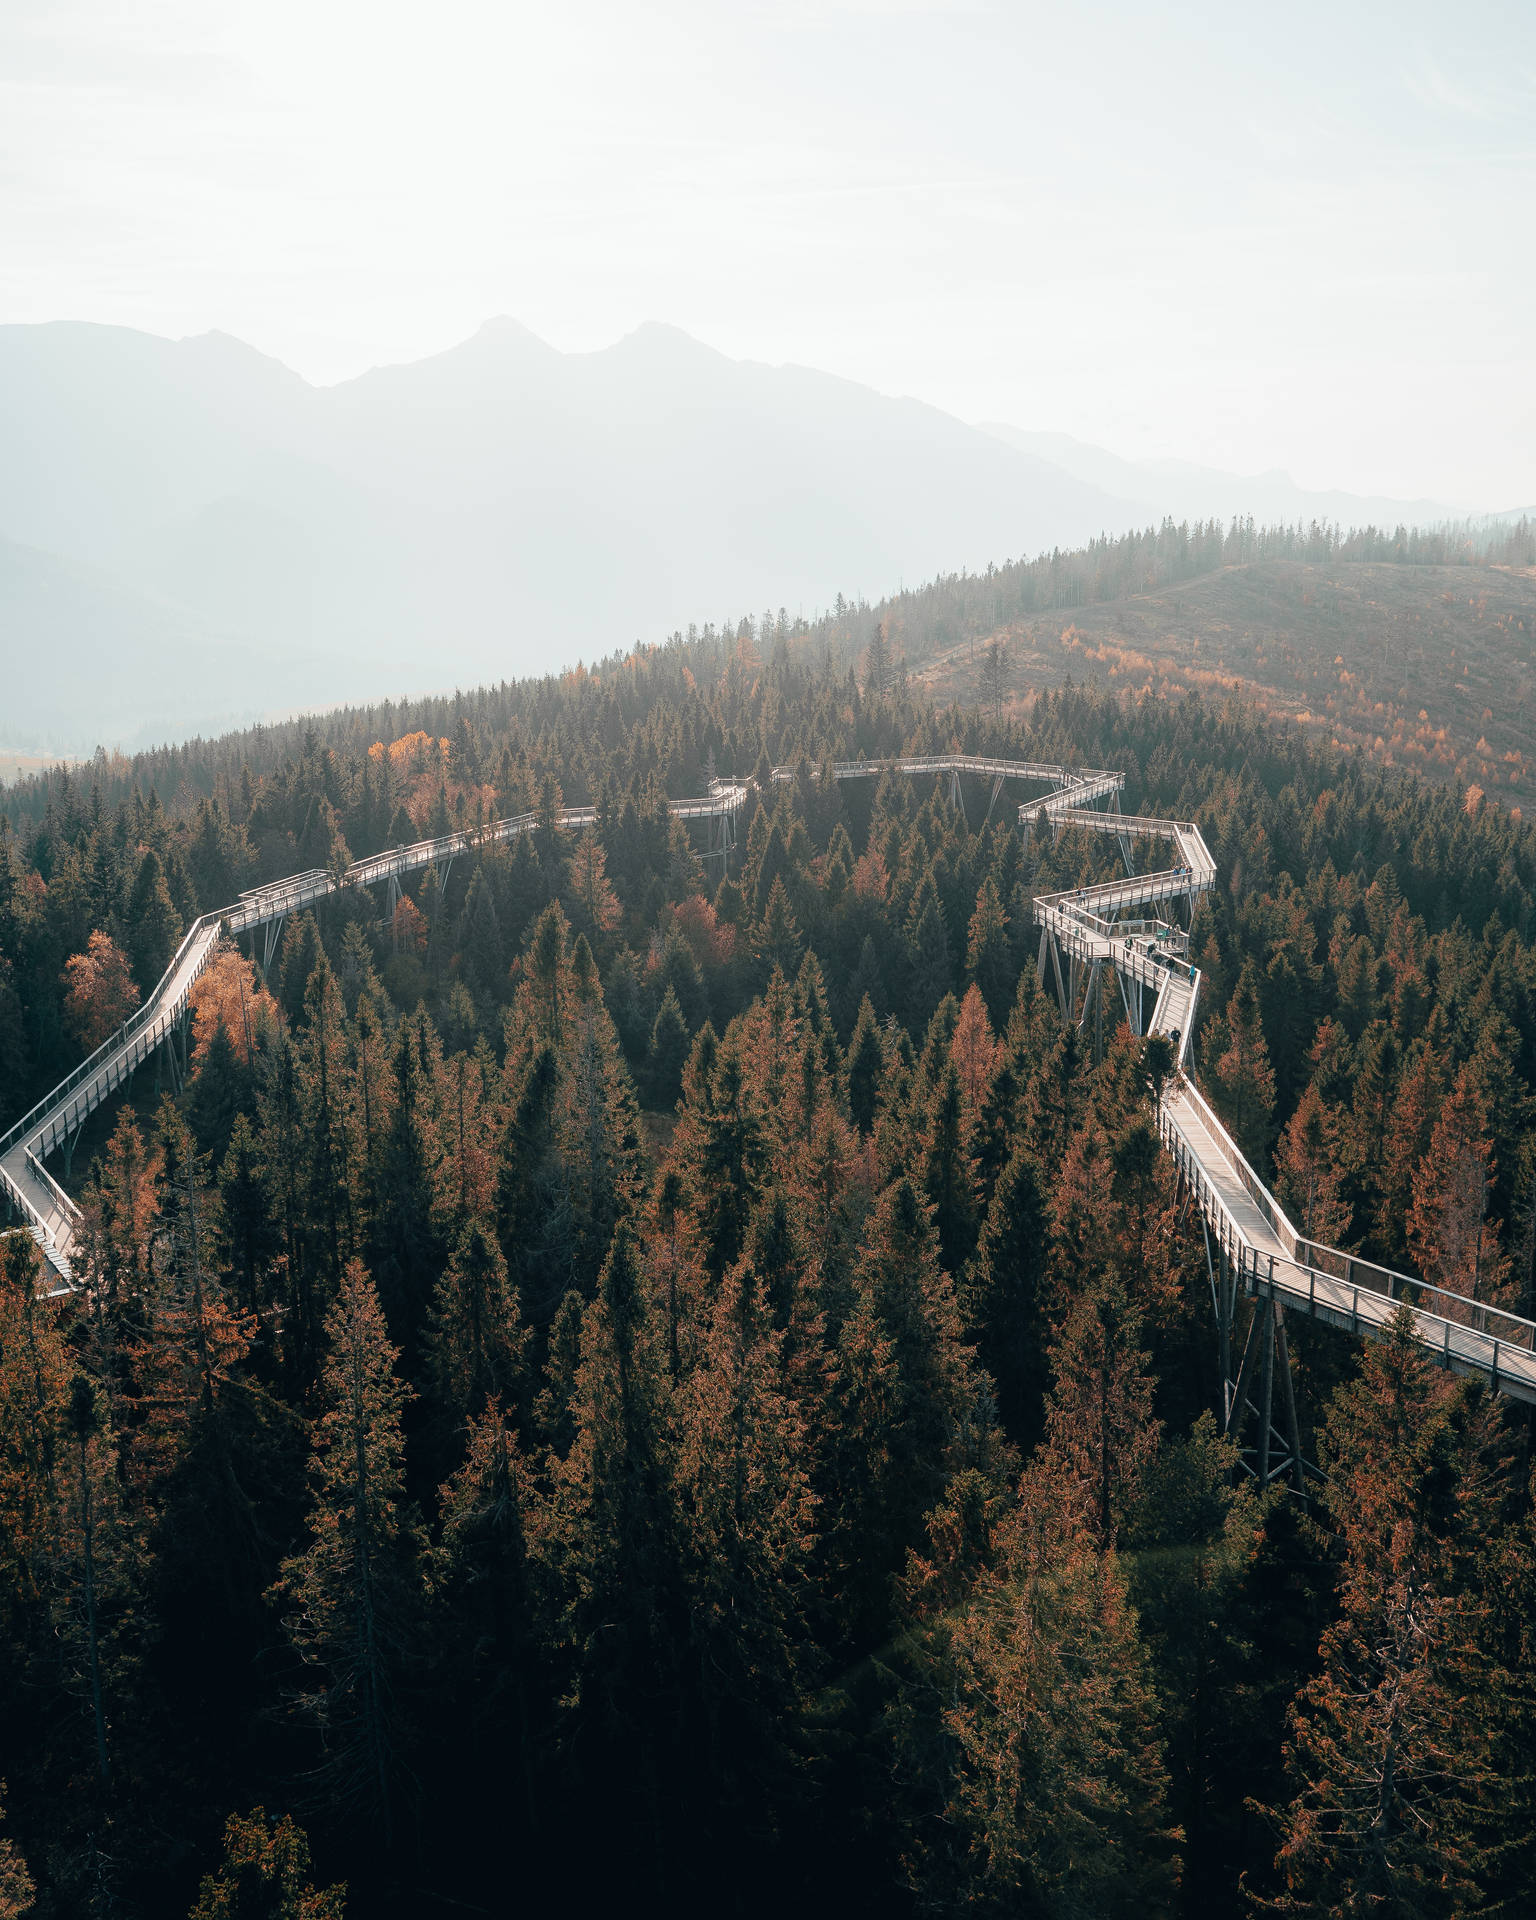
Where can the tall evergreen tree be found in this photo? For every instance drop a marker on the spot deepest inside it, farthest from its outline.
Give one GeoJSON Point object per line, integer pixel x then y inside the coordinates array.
{"type": "Point", "coordinates": [353, 1595]}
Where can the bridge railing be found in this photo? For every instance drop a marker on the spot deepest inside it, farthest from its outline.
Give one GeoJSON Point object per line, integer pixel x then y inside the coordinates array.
{"type": "Point", "coordinates": [1089, 942]}
{"type": "Point", "coordinates": [1499, 1344]}
{"type": "Point", "coordinates": [19, 1200]}
{"type": "Point", "coordinates": [1236, 1164]}
{"type": "Point", "coordinates": [60, 1198]}
{"type": "Point", "coordinates": [1169, 883]}
{"type": "Point", "coordinates": [965, 763]}
{"type": "Point", "coordinates": [61, 1115]}
{"type": "Point", "coordinates": [269, 902]}
{"type": "Point", "coordinates": [1463, 1332]}
{"type": "Point", "coordinates": [1136, 826]}
{"type": "Point", "coordinates": [1460, 1308]}
{"type": "Point", "coordinates": [136, 1021]}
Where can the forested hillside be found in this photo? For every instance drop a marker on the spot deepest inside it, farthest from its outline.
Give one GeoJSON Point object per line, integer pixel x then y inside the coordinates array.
{"type": "Point", "coordinates": [617, 1381]}
{"type": "Point", "coordinates": [1430, 667]}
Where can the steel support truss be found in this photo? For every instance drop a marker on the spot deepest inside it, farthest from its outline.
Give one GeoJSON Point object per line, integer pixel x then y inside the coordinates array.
{"type": "Point", "coordinates": [1269, 1450]}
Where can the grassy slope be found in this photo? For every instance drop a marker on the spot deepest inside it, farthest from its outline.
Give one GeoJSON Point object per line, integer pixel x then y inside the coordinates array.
{"type": "Point", "coordinates": [1431, 667]}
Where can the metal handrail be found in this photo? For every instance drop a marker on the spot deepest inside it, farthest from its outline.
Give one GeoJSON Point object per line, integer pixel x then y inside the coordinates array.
{"type": "Point", "coordinates": [40, 1172]}
{"type": "Point", "coordinates": [280, 897]}
{"type": "Point", "coordinates": [135, 1022]}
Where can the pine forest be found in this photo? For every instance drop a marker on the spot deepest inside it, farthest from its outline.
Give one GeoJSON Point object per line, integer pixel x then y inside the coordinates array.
{"type": "Point", "coordinates": [621, 1376]}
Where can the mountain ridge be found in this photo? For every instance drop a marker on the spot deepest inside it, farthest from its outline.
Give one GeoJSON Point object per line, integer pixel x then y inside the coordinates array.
{"type": "Point", "coordinates": [501, 507]}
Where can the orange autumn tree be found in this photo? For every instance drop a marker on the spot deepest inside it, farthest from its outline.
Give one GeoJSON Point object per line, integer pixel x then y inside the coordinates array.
{"type": "Point", "coordinates": [419, 773]}
{"type": "Point", "coordinates": [227, 994]}
{"type": "Point", "coordinates": [974, 1050]}
{"type": "Point", "coordinates": [99, 991]}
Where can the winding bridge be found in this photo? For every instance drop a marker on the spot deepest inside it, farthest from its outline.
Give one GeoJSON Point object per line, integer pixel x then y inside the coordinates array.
{"type": "Point", "coordinates": [1115, 930]}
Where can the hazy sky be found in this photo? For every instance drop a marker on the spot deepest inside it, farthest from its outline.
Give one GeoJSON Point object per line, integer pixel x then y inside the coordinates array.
{"type": "Point", "coordinates": [1298, 237]}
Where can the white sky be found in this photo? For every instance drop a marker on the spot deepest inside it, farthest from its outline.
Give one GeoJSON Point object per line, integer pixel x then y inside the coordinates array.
{"type": "Point", "coordinates": [1295, 236]}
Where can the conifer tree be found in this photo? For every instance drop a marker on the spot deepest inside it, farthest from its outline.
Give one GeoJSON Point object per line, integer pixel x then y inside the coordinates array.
{"type": "Point", "coordinates": [1025, 1732]}
{"type": "Point", "coordinates": [1310, 1164]}
{"type": "Point", "coordinates": [484, 962]}
{"type": "Point", "coordinates": [929, 962]}
{"type": "Point", "coordinates": [264, 1875]}
{"type": "Point", "coordinates": [988, 957]}
{"type": "Point", "coordinates": [949, 1184]}
{"type": "Point", "coordinates": [912, 1405]}
{"type": "Point", "coordinates": [352, 1596]}
{"type": "Point", "coordinates": [668, 1053]}
{"type": "Point", "coordinates": [1390, 1746]}
{"type": "Point", "coordinates": [532, 1202]}
{"type": "Point", "coordinates": [405, 1238]}
{"type": "Point", "coordinates": [323, 1107]}
{"type": "Point", "coordinates": [99, 991]}
{"type": "Point", "coordinates": [725, 1152]}
{"type": "Point", "coordinates": [974, 1050]}
{"type": "Point", "coordinates": [747, 1531]}
{"type": "Point", "coordinates": [866, 1062]}
{"type": "Point", "coordinates": [1451, 1237]}
{"type": "Point", "coordinates": [477, 1339]}
{"type": "Point", "coordinates": [154, 921]}
{"type": "Point", "coordinates": [1245, 1080]}
{"type": "Point", "coordinates": [594, 906]}
{"type": "Point", "coordinates": [485, 1575]}
{"type": "Point", "coordinates": [17, 1887]}
{"type": "Point", "coordinates": [600, 1122]}
{"type": "Point", "coordinates": [1420, 1090]}
{"type": "Point", "coordinates": [611, 1549]}
{"type": "Point", "coordinates": [34, 1395]}
{"type": "Point", "coordinates": [1002, 1298]}
{"type": "Point", "coordinates": [95, 1581]}
{"type": "Point", "coordinates": [301, 951]}
{"type": "Point", "coordinates": [221, 1090]}
{"type": "Point", "coordinates": [1196, 1579]}
{"type": "Point", "coordinates": [776, 938]}
{"type": "Point", "coordinates": [1099, 1431]}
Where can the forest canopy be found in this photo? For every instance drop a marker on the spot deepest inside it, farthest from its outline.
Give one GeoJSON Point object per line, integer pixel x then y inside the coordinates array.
{"type": "Point", "coordinates": [633, 1376]}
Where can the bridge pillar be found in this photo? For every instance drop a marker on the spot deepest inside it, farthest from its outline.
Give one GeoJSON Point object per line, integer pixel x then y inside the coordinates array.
{"type": "Point", "coordinates": [1274, 1454]}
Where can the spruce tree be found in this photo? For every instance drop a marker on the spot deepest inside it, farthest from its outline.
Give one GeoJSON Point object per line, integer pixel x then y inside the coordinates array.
{"type": "Point", "coordinates": [1390, 1745]}
{"type": "Point", "coordinates": [353, 1595]}
{"type": "Point", "coordinates": [988, 958]}
{"type": "Point", "coordinates": [1003, 1299]}
{"type": "Point", "coordinates": [668, 1053]}
{"type": "Point", "coordinates": [154, 922]}
{"type": "Point", "coordinates": [866, 1063]}
{"type": "Point", "coordinates": [476, 1338]}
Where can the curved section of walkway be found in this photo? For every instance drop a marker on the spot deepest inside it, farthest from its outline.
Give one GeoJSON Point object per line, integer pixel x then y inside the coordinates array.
{"type": "Point", "coordinates": [44, 1207]}
{"type": "Point", "coordinates": [1098, 930]}
{"type": "Point", "coordinates": [1269, 1257]}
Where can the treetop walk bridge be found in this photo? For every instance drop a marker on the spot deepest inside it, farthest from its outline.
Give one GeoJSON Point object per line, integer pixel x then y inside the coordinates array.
{"type": "Point", "coordinates": [1253, 1252]}
{"type": "Point", "coordinates": [46, 1210]}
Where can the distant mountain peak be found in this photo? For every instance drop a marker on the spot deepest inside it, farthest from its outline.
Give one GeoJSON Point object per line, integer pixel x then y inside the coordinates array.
{"type": "Point", "coordinates": [657, 337]}
{"type": "Point", "coordinates": [501, 330]}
